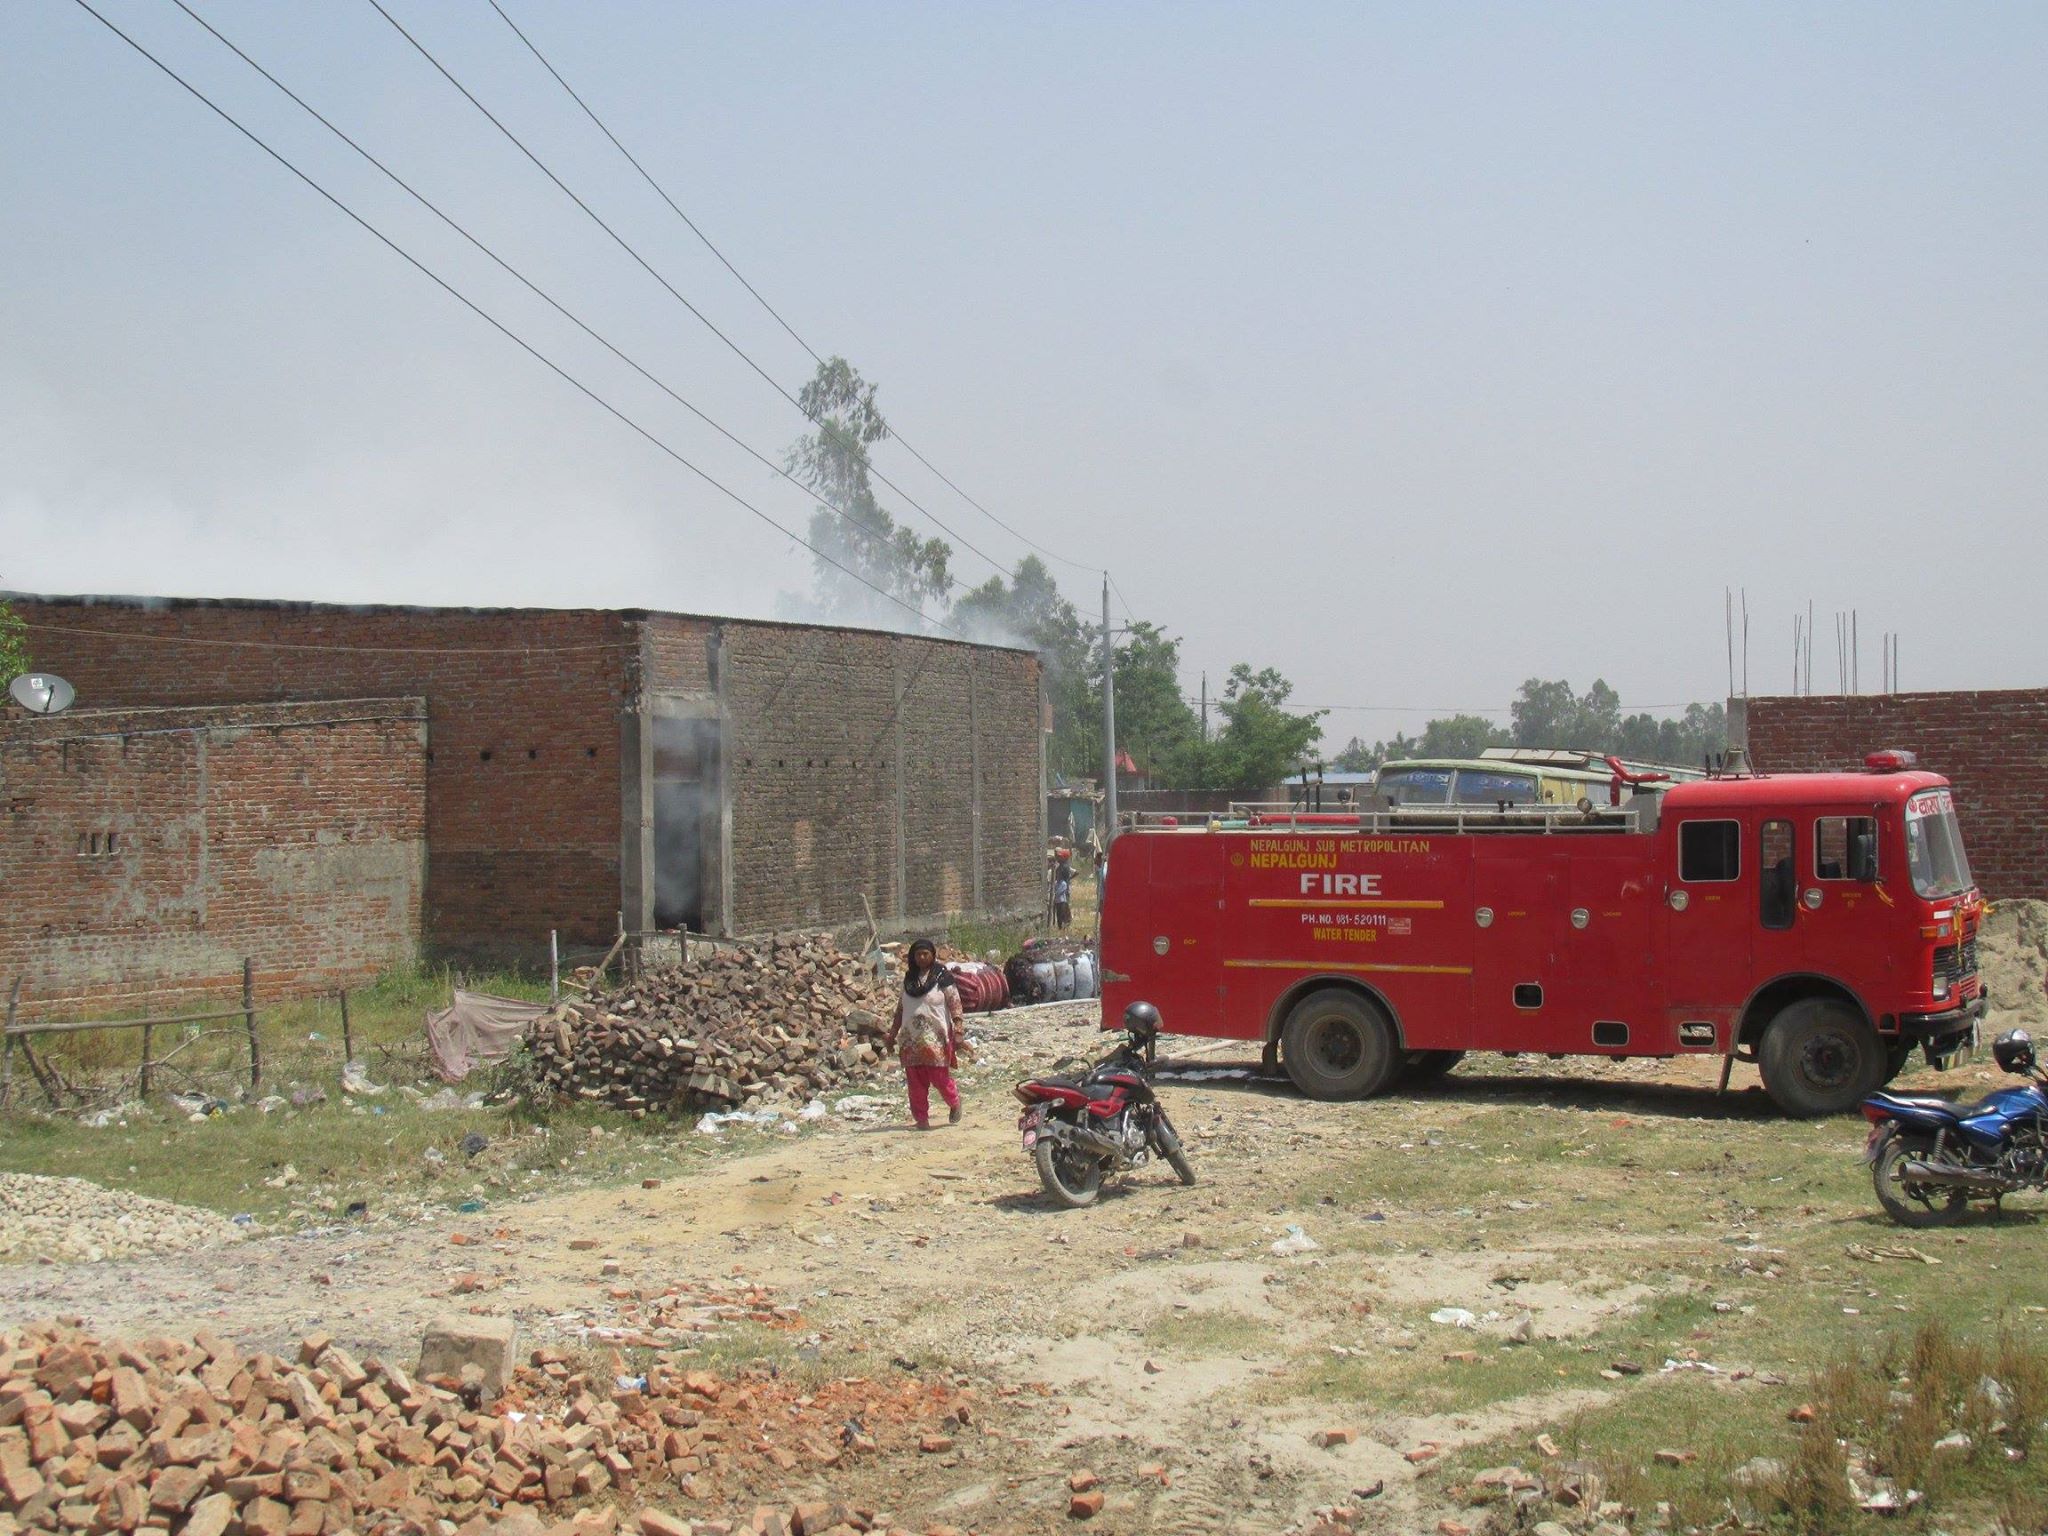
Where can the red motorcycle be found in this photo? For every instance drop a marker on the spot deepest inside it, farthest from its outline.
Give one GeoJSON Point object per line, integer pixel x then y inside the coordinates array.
{"type": "Point", "coordinates": [1101, 1120]}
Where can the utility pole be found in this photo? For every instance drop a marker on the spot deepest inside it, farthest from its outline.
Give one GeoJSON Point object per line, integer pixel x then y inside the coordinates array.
{"type": "Point", "coordinates": [1205, 706]}
{"type": "Point", "coordinates": [1108, 719]}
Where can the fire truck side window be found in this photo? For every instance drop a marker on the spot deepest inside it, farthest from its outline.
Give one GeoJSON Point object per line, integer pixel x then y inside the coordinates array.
{"type": "Point", "coordinates": [1778, 889]}
{"type": "Point", "coordinates": [1845, 848]}
{"type": "Point", "coordinates": [1709, 850]}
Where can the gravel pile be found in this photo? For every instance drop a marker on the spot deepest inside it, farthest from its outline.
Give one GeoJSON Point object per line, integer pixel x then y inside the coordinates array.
{"type": "Point", "coordinates": [71, 1219]}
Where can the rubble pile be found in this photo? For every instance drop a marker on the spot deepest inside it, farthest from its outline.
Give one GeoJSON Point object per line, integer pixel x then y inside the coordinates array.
{"type": "Point", "coordinates": [793, 1014]}
{"type": "Point", "coordinates": [192, 1436]}
{"type": "Point", "coordinates": [69, 1219]}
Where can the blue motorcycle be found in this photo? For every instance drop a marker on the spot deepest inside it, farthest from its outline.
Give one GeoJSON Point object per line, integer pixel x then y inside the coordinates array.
{"type": "Point", "coordinates": [1929, 1158]}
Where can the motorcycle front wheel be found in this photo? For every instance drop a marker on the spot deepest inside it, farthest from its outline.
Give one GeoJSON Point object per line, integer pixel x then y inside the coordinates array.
{"type": "Point", "coordinates": [1070, 1177]}
{"type": "Point", "coordinates": [1908, 1204]}
{"type": "Point", "coordinates": [1169, 1148]}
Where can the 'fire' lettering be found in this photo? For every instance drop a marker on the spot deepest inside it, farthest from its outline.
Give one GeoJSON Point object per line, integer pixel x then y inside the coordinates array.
{"type": "Point", "coordinates": [1340, 885]}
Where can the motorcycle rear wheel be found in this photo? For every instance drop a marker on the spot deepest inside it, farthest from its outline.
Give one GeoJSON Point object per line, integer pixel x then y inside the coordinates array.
{"type": "Point", "coordinates": [1072, 1178]}
{"type": "Point", "coordinates": [1913, 1205]}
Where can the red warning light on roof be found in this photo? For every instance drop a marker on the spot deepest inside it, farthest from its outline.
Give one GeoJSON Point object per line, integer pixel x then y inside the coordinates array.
{"type": "Point", "coordinates": [1889, 761]}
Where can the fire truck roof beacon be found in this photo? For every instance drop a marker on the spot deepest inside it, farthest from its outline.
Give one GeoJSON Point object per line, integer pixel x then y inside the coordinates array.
{"type": "Point", "coordinates": [1892, 760]}
{"type": "Point", "coordinates": [40, 693]}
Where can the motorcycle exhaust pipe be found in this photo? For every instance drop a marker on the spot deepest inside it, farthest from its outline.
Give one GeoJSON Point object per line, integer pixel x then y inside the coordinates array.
{"type": "Point", "coordinates": [1951, 1175]}
{"type": "Point", "coordinates": [1089, 1141]}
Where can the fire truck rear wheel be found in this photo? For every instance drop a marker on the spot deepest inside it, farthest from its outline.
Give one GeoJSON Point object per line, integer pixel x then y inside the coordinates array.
{"type": "Point", "coordinates": [1820, 1058]}
{"type": "Point", "coordinates": [1338, 1045]}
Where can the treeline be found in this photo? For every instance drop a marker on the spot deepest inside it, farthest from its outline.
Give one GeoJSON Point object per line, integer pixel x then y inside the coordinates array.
{"type": "Point", "coordinates": [1550, 714]}
{"type": "Point", "coordinates": [871, 569]}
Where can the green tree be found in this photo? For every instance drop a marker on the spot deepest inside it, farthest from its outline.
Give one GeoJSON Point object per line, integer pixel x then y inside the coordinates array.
{"type": "Point", "coordinates": [1154, 723]}
{"type": "Point", "coordinates": [1550, 714]}
{"type": "Point", "coordinates": [1357, 757]}
{"type": "Point", "coordinates": [866, 541]}
{"type": "Point", "coordinates": [14, 658]}
{"type": "Point", "coordinates": [1461, 736]}
{"type": "Point", "coordinates": [1262, 742]}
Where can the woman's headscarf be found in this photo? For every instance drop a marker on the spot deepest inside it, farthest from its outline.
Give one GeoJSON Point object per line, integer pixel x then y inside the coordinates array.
{"type": "Point", "coordinates": [916, 985]}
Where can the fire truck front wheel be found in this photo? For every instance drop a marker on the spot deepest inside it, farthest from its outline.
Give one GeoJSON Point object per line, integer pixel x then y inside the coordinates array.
{"type": "Point", "coordinates": [1338, 1045]}
{"type": "Point", "coordinates": [1819, 1057]}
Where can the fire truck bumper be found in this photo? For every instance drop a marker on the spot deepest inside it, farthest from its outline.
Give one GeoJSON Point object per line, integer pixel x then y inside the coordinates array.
{"type": "Point", "coordinates": [1949, 1037]}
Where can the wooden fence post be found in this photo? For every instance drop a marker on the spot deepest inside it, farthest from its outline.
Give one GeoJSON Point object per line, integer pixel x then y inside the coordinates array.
{"type": "Point", "coordinates": [554, 965]}
{"type": "Point", "coordinates": [249, 1017]}
{"type": "Point", "coordinates": [348, 1040]}
{"type": "Point", "coordinates": [7, 1048]}
{"type": "Point", "coordinates": [142, 1087]}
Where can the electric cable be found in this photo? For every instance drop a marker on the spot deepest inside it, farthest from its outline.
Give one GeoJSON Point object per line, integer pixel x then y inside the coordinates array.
{"type": "Point", "coordinates": [626, 246]}
{"type": "Point", "coordinates": [535, 289]}
{"type": "Point", "coordinates": [662, 192]}
{"type": "Point", "coordinates": [498, 325]}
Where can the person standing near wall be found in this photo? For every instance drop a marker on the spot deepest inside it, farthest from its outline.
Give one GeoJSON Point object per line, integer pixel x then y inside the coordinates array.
{"type": "Point", "coordinates": [926, 1033]}
{"type": "Point", "coordinates": [1063, 894]}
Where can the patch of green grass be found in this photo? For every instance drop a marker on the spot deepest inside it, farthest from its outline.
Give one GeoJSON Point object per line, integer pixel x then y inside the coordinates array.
{"type": "Point", "coordinates": [300, 1040]}
{"type": "Point", "coordinates": [1209, 1331]}
{"type": "Point", "coordinates": [1879, 1407]}
{"type": "Point", "coordinates": [342, 1151]}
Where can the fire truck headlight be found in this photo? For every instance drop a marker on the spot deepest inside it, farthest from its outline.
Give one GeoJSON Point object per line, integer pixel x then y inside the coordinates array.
{"type": "Point", "coordinates": [1940, 987]}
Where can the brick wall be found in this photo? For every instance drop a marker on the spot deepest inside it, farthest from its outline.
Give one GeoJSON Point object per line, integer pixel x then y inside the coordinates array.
{"type": "Point", "coordinates": [1993, 745]}
{"type": "Point", "coordinates": [145, 853]}
{"type": "Point", "coordinates": [835, 791]}
{"type": "Point", "coordinates": [540, 733]}
{"type": "Point", "coordinates": [523, 730]}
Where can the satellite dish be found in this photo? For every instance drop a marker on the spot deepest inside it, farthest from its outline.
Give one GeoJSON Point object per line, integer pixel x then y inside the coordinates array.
{"type": "Point", "coordinates": [41, 693]}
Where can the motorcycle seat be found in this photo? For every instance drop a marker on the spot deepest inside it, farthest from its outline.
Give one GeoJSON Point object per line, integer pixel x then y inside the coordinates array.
{"type": "Point", "coordinates": [1081, 1085]}
{"type": "Point", "coordinates": [1920, 1104]}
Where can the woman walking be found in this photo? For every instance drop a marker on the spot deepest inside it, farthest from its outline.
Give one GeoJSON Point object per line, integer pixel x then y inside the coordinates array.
{"type": "Point", "coordinates": [926, 1033]}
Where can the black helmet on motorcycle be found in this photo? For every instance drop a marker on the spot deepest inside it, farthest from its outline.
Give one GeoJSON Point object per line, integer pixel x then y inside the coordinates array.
{"type": "Point", "coordinates": [1142, 1020]}
{"type": "Point", "coordinates": [2014, 1051]}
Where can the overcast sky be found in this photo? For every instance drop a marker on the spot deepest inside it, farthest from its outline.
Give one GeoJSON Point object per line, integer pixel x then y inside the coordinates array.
{"type": "Point", "coordinates": [1411, 349]}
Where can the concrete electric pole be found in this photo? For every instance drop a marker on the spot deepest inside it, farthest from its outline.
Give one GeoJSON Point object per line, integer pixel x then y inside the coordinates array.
{"type": "Point", "coordinates": [1108, 720]}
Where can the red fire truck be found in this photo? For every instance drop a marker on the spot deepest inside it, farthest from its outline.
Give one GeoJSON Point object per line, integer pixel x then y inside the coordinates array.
{"type": "Point", "coordinates": [1822, 925]}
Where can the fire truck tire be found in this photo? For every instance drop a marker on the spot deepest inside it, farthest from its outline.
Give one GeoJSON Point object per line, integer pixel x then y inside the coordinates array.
{"type": "Point", "coordinates": [1819, 1058]}
{"type": "Point", "coordinates": [1428, 1066]}
{"type": "Point", "coordinates": [1338, 1045]}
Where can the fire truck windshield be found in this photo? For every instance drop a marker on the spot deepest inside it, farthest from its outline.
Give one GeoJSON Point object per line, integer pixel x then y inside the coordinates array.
{"type": "Point", "coordinates": [1934, 845]}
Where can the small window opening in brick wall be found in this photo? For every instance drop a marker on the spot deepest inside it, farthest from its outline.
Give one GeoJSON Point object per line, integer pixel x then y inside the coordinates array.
{"type": "Point", "coordinates": [484, 756]}
{"type": "Point", "coordinates": [98, 845]}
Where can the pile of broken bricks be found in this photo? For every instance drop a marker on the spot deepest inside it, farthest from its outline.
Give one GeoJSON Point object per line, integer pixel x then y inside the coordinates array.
{"type": "Point", "coordinates": [791, 1015]}
{"type": "Point", "coordinates": [191, 1436]}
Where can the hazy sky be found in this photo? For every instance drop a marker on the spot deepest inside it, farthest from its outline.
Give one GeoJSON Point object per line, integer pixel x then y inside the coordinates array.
{"type": "Point", "coordinates": [1411, 349]}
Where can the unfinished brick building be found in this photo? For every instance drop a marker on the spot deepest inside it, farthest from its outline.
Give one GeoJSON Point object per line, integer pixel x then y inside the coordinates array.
{"type": "Point", "coordinates": [722, 775]}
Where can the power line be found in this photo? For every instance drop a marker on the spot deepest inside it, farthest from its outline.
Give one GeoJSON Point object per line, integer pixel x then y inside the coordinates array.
{"type": "Point", "coordinates": [649, 179]}
{"type": "Point", "coordinates": [1119, 591]}
{"type": "Point", "coordinates": [549, 299]}
{"type": "Point", "coordinates": [626, 246]}
{"type": "Point", "coordinates": [493, 321]}
{"type": "Point", "coordinates": [675, 208]}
